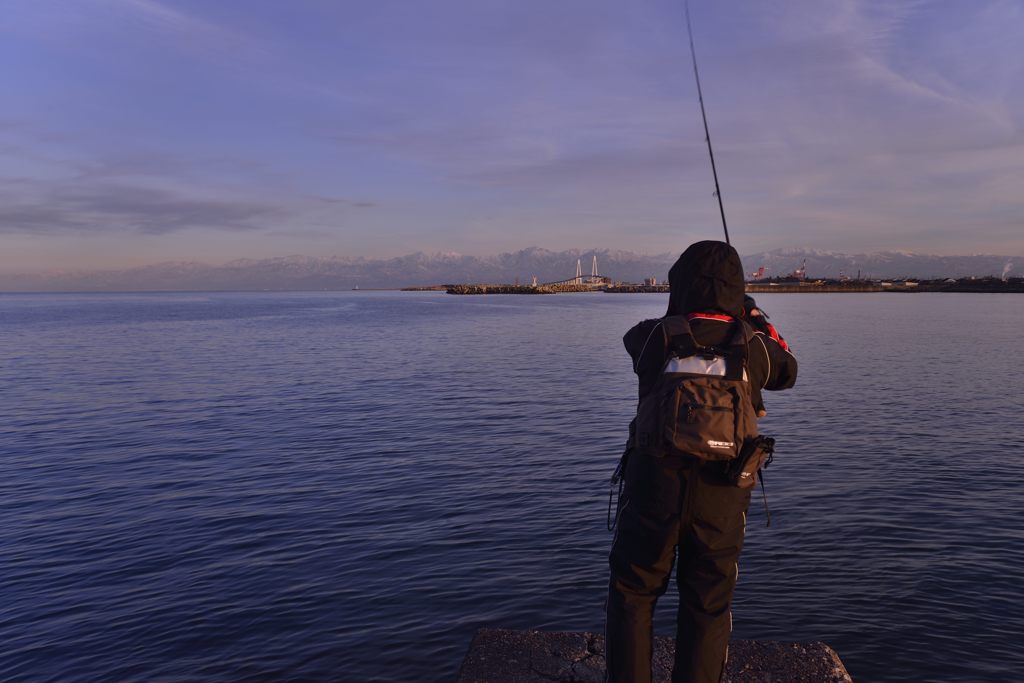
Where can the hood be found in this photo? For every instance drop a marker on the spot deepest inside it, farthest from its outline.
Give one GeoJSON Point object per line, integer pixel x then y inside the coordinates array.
{"type": "Point", "coordinates": [708, 277]}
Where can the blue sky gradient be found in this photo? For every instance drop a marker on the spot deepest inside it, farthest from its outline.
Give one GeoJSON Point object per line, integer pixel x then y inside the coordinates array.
{"type": "Point", "coordinates": [136, 131]}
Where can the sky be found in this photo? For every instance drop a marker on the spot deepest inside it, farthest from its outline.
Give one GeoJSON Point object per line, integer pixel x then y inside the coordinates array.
{"type": "Point", "coordinates": [141, 131]}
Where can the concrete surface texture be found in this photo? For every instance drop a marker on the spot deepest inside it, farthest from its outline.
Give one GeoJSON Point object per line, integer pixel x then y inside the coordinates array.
{"type": "Point", "coordinates": [501, 656]}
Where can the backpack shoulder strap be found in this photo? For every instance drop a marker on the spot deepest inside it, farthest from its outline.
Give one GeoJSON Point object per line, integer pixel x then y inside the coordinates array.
{"type": "Point", "coordinates": [742, 334]}
{"type": "Point", "coordinates": [679, 336]}
{"type": "Point", "coordinates": [739, 350]}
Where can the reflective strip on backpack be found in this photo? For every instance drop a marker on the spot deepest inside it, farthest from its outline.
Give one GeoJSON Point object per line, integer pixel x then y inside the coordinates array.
{"type": "Point", "coordinates": [695, 365]}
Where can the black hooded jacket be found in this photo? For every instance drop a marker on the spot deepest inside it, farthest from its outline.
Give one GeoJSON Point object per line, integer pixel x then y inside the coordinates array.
{"type": "Point", "coordinates": [708, 279]}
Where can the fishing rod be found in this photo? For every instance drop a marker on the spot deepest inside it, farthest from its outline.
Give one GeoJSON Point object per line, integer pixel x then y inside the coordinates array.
{"type": "Point", "coordinates": [704, 116]}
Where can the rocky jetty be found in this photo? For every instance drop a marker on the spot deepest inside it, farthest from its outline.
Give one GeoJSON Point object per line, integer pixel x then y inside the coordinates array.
{"type": "Point", "coordinates": [521, 289]}
{"type": "Point", "coordinates": [500, 656]}
{"type": "Point", "coordinates": [637, 289]}
{"type": "Point", "coordinates": [498, 289]}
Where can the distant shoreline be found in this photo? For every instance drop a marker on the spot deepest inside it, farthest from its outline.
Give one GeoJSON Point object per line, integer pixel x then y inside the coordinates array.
{"type": "Point", "coordinates": [962, 286]}
{"type": "Point", "coordinates": [976, 285]}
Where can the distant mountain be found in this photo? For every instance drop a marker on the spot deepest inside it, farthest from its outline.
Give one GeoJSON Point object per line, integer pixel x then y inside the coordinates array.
{"type": "Point", "coordinates": [305, 272]}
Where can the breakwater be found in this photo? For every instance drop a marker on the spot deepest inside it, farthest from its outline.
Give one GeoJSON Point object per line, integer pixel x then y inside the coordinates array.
{"type": "Point", "coordinates": [505, 656]}
{"type": "Point", "coordinates": [497, 289]}
{"type": "Point", "coordinates": [981, 286]}
{"type": "Point", "coordinates": [519, 289]}
{"type": "Point", "coordinates": [814, 287]}
{"type": "Point", "coordinates": [637, 289]}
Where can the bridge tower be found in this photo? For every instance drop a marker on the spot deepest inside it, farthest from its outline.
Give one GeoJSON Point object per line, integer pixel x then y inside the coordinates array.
{"type": "Point", "coordinates": [593, 268]}
{"type": "Point", "coordinates": [579, 272]}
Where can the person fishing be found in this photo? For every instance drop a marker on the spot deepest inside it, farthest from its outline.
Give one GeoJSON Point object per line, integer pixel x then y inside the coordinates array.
{"type": "Point", "coordinates": [684, 494]}
{"type": "Point", "coordinates": [692, 457]}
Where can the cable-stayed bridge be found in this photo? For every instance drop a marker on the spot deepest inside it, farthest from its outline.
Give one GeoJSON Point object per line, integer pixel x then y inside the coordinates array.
{"type": "Point", "coordinates": [592, 281]}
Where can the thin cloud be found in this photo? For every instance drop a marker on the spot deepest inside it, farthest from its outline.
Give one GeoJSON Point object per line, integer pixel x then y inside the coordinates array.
{"type": "Point", "coordinates": [190, 33]}
{"type": "Point", "coordinates": [338, 201]}
{"type": "Point", "coordinates": [76, 209]}
{"type": "Point", "coordinates": [667, 162]}
{"type": "Point", "coordinates": [876, 28]}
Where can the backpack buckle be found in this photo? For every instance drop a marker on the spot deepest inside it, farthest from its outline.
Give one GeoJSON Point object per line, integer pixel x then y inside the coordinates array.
{"type": "Point", "coordinates": [707, 353]}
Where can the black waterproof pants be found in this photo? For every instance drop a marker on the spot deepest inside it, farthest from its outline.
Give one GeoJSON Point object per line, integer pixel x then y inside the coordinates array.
{"type": "Point", "coordinates": [674, 503]}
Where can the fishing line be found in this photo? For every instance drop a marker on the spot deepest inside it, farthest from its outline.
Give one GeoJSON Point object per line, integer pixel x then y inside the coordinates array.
{"type": "Point", "coordinates": [704, 117]}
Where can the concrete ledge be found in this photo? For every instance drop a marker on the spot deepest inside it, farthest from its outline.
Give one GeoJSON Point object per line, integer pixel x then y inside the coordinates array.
{"type": "Point", "coordinates": [500, 656]}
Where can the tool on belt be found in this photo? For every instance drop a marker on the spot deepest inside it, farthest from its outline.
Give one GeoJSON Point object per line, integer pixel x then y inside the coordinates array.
{"type": "Point", "coordinates": [757, 453]}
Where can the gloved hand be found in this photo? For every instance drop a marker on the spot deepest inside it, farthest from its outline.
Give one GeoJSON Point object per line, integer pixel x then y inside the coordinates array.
{"type": "Point", "coordinates": [757, 318]}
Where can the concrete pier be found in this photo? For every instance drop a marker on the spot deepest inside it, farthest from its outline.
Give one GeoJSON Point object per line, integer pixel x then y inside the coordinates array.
{"type": "Point", "coordinates": [500, 656]}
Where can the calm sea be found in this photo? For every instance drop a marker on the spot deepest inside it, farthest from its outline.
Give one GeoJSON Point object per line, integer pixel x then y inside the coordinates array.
{"type": "Point", "coordinates": [344, 486]}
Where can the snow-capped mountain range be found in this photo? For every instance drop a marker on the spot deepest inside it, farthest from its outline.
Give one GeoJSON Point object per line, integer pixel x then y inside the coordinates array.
{"type": "Point", "coordinates": [419, 269]}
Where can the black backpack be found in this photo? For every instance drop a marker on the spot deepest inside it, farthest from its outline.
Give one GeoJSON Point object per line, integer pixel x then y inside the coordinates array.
{"type": "Point", "coordinates": [701, 403]}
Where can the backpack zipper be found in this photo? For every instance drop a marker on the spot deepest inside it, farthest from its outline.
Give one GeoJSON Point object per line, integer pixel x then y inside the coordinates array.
{"type": "Point", "coordinates": [691, 408]}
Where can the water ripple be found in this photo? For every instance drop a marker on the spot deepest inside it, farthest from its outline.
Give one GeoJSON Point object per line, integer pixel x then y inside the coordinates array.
{"type": "Point", "coordinates": [344, 486]}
